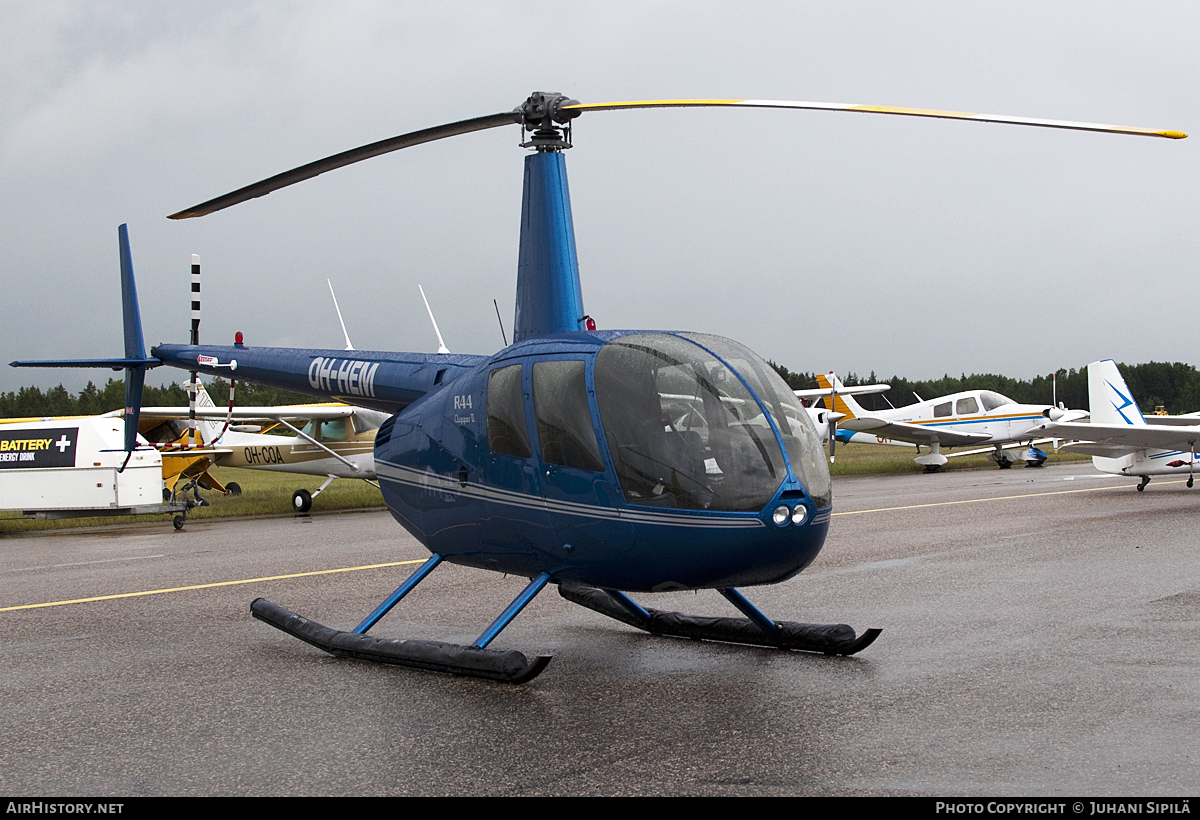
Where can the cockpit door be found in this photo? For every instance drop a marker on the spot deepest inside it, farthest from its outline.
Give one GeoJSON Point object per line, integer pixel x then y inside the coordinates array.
{"type": "Point", "coordinates": [582, 498]}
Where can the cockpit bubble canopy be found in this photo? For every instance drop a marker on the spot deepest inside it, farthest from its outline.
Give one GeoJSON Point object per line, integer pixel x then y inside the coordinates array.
{"type": "Point", "coordinates": [701, 422]}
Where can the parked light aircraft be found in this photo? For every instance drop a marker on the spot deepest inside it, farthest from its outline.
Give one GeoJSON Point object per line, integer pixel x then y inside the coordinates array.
{"type": "Point", "coordinates": [337, 441]}
{"type": "Point", "coordinates": [554, 459]}
{"type": "Point", "coordinates": [1120, 441]}
{"type": "Point", "coordinates": [960, 419]}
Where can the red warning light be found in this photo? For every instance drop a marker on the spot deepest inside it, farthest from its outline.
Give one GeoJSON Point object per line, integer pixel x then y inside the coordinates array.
{"type": "Point", "coordinates": [591, 323]}
{"type": "Point", "coordinates": [237, 338]}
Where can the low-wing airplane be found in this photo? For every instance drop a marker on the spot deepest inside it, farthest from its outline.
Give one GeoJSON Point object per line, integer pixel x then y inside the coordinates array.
{"type": "Point", "coordinates": [335, 441]}
{"type": "Point", "coordinates": [554, 458]}
{"type": "Point", "coordinates": [1120, 440]}
{"type": "Point", "coordinates": [971, 417]}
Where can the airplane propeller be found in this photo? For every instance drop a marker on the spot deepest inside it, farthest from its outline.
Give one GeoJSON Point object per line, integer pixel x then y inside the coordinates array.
{"type": "Point", "coordinates": [548, 115]}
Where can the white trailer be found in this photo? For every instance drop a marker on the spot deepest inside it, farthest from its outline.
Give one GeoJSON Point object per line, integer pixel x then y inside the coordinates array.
{"type": "Point", "coordinates": [71, 467]}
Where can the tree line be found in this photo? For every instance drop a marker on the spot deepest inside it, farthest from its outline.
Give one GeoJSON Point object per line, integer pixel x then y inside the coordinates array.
{"type": "Point", "coordinates": [92, 400]}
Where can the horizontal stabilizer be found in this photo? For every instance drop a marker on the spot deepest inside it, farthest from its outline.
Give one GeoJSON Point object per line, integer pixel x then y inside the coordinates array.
{"type": "Point", "coordinates": [115, 364]}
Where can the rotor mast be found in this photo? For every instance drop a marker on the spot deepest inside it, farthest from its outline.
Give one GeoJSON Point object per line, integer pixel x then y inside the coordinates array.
{"type": "Point", "coordinates": [549, 294]}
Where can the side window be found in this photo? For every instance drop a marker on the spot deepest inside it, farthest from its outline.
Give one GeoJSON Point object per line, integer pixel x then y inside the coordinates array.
{"type": "Point", "coordinates": [333, 430]}
{"type": "Point", "coordinates": [967, 406]}
{"type": "Point", "coordinates": [942, 411]}
{"type": "Point", "coordinates": [564, 422]}
{"type": "Point", "coordinates": [507, 433]}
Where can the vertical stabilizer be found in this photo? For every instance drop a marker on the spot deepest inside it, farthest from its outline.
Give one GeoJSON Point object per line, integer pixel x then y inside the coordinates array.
{"type": "Point", "coordinates": [211, 429]}
{"type": "Point", "coordinates": [135, 347]}
{"type": "Point", "coordinates": [844, 404]}
{"type": "Point", "coordinates": [1109, 396]}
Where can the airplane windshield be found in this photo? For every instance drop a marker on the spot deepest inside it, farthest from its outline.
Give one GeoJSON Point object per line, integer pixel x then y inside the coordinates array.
{"type": "Point", "coordinates": [993, 400]}
{"type": "Point", "coordinates": [684, 431]}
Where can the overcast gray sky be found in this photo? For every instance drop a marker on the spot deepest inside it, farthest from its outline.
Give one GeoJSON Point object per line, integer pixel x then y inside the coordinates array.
{"type": "Point", "coordinates": [821, 240]}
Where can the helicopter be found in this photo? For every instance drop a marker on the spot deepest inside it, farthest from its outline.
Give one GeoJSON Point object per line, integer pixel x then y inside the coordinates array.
{"type": "Point", "coordinates": [604, 462]}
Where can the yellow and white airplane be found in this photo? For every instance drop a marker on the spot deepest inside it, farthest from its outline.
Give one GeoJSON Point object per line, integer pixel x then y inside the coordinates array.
{"type": "Point", "coordinates": [335, 441]}
{"type": "Point", "coordinates": [972, 417]}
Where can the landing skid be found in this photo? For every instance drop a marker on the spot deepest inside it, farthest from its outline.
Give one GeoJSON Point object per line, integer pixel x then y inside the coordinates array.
{"type": "Point", "coordinates": [832, 639]}
{"type": "Point", "coordinates": [508, 666]}
{"type": "Point", "coordinates": [474, 661]}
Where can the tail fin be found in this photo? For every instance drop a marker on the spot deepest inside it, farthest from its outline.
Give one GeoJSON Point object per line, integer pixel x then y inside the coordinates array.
{"type": "Point", "coordinates": [210, 429]}
{"type": "Point", "coordinates": [1110, 398]}
{"type": "Point", "coordinates": [135, 345]}
{"type": "Point", "coordinates": [844, 404]}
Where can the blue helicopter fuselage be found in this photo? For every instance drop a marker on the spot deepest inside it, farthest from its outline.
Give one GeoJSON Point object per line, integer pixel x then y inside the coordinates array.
{"type": "Point", "coordinates": [640, 461]}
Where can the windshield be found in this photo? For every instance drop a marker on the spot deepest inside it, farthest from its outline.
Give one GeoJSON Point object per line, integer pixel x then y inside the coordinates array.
{"type": "Point", "coordinates": [684, 431]}
{"type": "Point", "coordinates": [993, 400]}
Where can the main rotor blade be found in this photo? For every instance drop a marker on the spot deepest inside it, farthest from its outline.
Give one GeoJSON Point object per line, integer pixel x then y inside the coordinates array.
{"type": "Point", "coordinates": [879, 109]}
{"type": "Point", "coordinates": [312, 169]}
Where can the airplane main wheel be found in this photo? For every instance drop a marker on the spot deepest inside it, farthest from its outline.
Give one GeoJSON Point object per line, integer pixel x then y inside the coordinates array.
{"type": "Point", "coordinates": [233, 488]}
{"type": "Point", "coordinates": [301, 501]}
{"type": "Point", "coordinates": [1004, 465]}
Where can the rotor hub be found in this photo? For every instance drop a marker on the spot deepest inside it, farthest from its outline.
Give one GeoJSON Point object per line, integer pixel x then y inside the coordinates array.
{"type": "Point", "coordinates": [544, 117]}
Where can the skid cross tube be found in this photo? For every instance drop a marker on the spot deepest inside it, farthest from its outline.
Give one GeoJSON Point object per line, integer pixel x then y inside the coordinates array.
{"type": "Point", "coordinates": [535, 586]}
{"type": "Point", "coordinates": [633, 606]}
{"type": "Point", "coordinates": [393, 599]}
{"type": "Point", "coordinates": [750, 611]}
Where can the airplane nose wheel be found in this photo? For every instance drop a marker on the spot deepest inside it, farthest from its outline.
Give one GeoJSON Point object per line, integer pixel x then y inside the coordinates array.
{"type": "Point", "coordinates": [301, 501]}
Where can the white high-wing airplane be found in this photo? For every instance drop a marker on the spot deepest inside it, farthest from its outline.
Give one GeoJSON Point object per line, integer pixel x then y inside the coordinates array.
{"type": "Point", "coordinates": [336, 441]}
{"type": "Point", "coordinates": [971, 417]}
{"type": "Point", "coordinates": [1120, 440]}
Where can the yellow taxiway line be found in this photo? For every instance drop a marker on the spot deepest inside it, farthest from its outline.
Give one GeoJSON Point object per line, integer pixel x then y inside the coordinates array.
{"type": "Point", "coordinates": [210, 586]}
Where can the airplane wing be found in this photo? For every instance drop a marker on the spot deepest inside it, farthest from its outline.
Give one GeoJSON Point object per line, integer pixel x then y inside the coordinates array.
{"type": "Point", "coordinates": [1136, 436]}
{"type": "Point", "coordinates": [916, 433]}
{"type": "Point", "coordinates": [200, 451]}
{"type": "Point", "coordinates": [1091, 448]}
{"type": "Point", "coordinates": [856, 390]}
{"type": "Point", "coordinates": [1174, 421]}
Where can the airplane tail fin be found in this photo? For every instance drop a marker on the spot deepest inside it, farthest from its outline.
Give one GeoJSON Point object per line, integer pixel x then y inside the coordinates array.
{"type": "Point", "coordinates": [211, 429]}
{"type": "Point", "coordinates": [842, 403]}
{"type": "Point", "coordinates": [1110, 398]}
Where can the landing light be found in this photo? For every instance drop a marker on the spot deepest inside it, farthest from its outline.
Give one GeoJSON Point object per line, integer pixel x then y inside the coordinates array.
{"type": "Point", "coordinates": [781, 515]}
{"type": "Point", "coordinates": [799, 515]}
